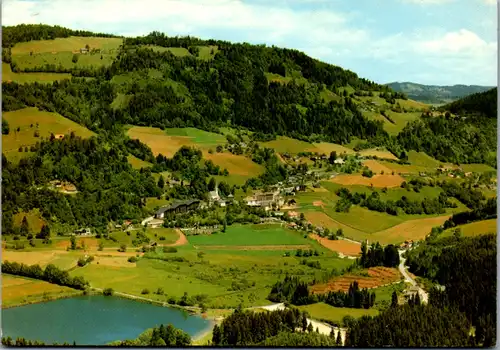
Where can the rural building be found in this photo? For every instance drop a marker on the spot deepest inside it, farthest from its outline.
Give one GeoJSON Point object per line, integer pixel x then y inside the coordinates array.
{"type": "Point", "coordinates": [339, 161]}
{"type": "Point", "coordinates": [179, 207]}
{"type": "Point", "coordinates": [84, 50]}
{"type": "Point", "coordinates": [155, 223]}
{"type": "Point", "coordinates": [213, 196]}
{"type": "Point", "coordinates": [59, 136]}
{"type": "Point", "coordinates": [266, 200]}
{"type": "Point", "coordinates": [83, 232]}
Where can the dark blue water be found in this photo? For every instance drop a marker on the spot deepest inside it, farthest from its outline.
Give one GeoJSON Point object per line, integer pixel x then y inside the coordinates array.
{"type": "Point", "coordinates": [93, 320]}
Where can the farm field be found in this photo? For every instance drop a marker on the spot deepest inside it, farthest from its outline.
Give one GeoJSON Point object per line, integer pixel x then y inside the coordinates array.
{"type": "Point", "coordinates": [400, 119]}
{"type": "Point", "coordinates": [422, 159]}
{"type": "Point", "coordinates": [477, 168]}
{"type": "Point", "coordinates": [64, 59]}
{"type": "Point", "coordinates": [250, 235]}
{"type": "Point", "coordinates": [169, 141]}
{"type": "Point", "coordinates": [376, 167]}
{"type": "Point", "coordinates": [322, 311]}
{"type": "Point", "coordinates": [47, 123]}
{"type": "Point", "coordinates": [380, 153]}
{"type": "Point", "coordinates": [177, 51]}
{"type": "Point", "coordinates": [377, 180]}
{"type": "Point", "coordinates": [377, 276]}
{"type": "Point", "coordinates": [9, 76]}
{"type": "Point", "coordinates": [342, 246]}
{"type": "Point", "coordinates": [474, 228]}
{"type": "Point", "coordinates": [327, 148]}
{"type": "Point", "coordinates": [73, 43]}
{"type": "Point", "coordinates": [284, 144]}
{"type": "Point", "coordinates": [153, 203]}
{"type": "Point", "coordinates": [412, 229]}
{"type": "Point", "coordinates": [19, 290]}
{"type": "Point", "coordinates": [319, 218]}
{"type": "Point", "coordinates": [207, 52]}
{"type": "Point", "coordinates": [235, 164]}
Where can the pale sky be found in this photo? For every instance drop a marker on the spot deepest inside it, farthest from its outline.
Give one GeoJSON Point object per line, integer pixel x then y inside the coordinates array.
{"type": "Point", "coordinates": [441, 42]}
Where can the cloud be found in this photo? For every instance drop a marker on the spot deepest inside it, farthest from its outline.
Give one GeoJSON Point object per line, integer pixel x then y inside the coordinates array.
{"type": "Point", "coordinates": [338, 37]}
{"type": "Point", "coordinates": [428, 2]}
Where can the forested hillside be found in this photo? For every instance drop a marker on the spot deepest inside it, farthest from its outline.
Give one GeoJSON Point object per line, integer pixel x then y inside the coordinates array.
{"type": "Point", "coordinates": [435, 93]}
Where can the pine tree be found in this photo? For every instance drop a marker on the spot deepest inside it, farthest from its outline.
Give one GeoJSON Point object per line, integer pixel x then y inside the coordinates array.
{"type": "Point", "coordinates": [417, 299]}
{"type": "Point", "coordinates": [211, 184]}
{"type": "Point", "coordinates": [310, 328]}
{"type": "Point", "coordinates": [161, 182]}
{"type": "Point", "coordinates": [394, 299]}
{"type": "Point", "coordinates": [216, 335]}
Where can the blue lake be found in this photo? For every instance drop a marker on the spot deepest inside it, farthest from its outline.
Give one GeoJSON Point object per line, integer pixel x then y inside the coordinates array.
{"type": "Point", "coordinates": [93, 320]}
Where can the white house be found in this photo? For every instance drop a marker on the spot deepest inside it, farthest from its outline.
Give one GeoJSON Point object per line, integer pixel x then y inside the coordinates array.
{"type": "Point", "coordinates": [339, 161]}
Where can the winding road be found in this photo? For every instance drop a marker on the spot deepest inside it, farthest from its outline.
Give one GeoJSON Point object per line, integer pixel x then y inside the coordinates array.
{"type": "Point", "coordinates": [424, 296]}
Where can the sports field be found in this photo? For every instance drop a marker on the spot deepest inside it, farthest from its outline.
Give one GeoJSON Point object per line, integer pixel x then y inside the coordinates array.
{"type": "Point", "coordinates": [26, 120]}
{"type": "Point", "coordinates": [322, 311]}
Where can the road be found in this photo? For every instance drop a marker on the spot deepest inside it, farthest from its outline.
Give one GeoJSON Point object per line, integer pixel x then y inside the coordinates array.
{"type": "Point", "coordinates": [424, 296]}
{"type": "Point", "coordinates": [323, 328]}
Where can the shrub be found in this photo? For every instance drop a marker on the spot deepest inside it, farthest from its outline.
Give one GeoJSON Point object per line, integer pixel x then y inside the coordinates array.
{"type": "Point", "coordinates": [132, 259]}
{"type": "Point", "coordinates": [169, 250]}
{"type": "Point", "coordinates": [160, 291]}
{"type": "Point", "coordinates": [108, 291]}
{"type": "Point", "coordinates": [145, 291]}
{"type": "Point", "coordinates": [171, 300]}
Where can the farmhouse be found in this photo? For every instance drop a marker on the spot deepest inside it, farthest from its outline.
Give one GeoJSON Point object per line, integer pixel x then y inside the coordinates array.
{"type": "Point", "coordinates": [339, 161]}
{"type": "Point", "coordinates": [82, 232]}
{"type": "Point", "coordinates": [179, 207]}
{"type": "Point", "coordinates": [266, 200]}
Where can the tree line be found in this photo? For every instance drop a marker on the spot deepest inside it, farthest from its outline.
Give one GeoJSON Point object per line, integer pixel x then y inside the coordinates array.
{"type": "Point", "coordinates": [293, 290]}
{"type": "Point", "coordinates": [467, 268]}
{"type": "Point", "coordinates": [51, 274]}
{"type": "Point", "coordinates": [375, 255]}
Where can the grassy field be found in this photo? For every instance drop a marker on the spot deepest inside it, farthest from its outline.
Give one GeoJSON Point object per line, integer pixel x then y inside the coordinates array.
{"type": "Point", "coordinates": [60, 51]}
{"type": "Point", "coordinates": [235, 164]}
{"type": "Point", "coordinates": [152, 203]}
{"type": "Point", "coordinates": [327, 148]}
{"type": "Point", "coordinates": [474, 228]}
{"type": "Point", "coordinates": [284, 144]}
{"type": "Point", "coordinates": [380, 153]}
{"type": "Point", "coordinates": [35, 220]}
{"type": "Point", "coordinates": [26, 119]}
{"type": "Point", "coordinates": [423, 160]}
{"type": "Point", "coordinates": [477, 168]}
{"type": "Point", "coordinates": [177, 51]}
{"type": "Point", "coordinates": [20, 290]}
{"type": "Point", "coordinates": [251, 235]}
{"type": "Point", "coordinates": [386, 180]}
{"type": "Point", "coordinates": [322, 311]}
{"type": "Point", "coordinates": [137, 163]}
{"type": "Point", "coordinates": [73, 43]}
{"type": "Point", "coordinates": [9, 76]}
{"type": "Point", "coordinates": [207, 52]}
{"type": "Point", "coordinates": [400, 121]}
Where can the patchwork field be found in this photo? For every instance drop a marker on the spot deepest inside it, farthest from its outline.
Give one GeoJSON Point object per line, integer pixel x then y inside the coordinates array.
{"type": "Point", "coordinates": [26, 119]}
{"type": "Point", "coordinates": [9, 76]}
{"type": "Point", "coordinates": [422, 159]}
{"type": "Point", "coordinates": [400, 121]}
{"type": "Point", "coordinates": [17, 290]}
{"type": "Point", "coordinates": [322, 311]}
{"type": "Point", "coordinates": [376, 180]}
{"type": "Point", "coordinates": [284, 144]}
{"type": "Point", "coordinates": [321, 219]}
{"type": "Point", "coordinates": [342, 246]}
{"type": "Point", "coordinates": [327, 148]}
{"type": "Point", "coordinates": [474, 228]}
{"type": "Point", "coordinates": [377, 276]}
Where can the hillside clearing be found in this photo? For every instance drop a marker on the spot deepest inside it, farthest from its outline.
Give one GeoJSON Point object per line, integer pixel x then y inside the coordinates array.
{"type": "Point", "coordinates": [73, 43]}
{"type": "Point", "coordinates": [235, 164]}
{"type": "Point", "coordinates": [21, 78]}
{"type": "Point", "coordinates": [26, 120]}
{"type": "Point", "coordinates": [379, 153]}
{"type": "Point", "coordinates": [376, 167]}
{"type": "Point", "coordinates": [474, 228]}
{"type": "Point", "coordinates": [322, 311]}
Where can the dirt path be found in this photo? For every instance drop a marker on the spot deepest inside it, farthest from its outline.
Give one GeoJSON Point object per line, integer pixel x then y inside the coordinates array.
{"type": "Point", "coordinates": [182, 240]}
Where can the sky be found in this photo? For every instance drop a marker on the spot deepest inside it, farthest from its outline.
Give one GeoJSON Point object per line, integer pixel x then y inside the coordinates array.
{"type": "Point", "coordinates": [440, 42]}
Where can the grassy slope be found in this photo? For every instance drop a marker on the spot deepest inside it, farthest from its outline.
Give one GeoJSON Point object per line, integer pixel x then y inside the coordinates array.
{"type": "Point", "coordinates": [474, 228]}
{"type": "Point", "coordinates": [35, 220]}
{"type": "Point", "coordinates": [22, 78]}
{"type": "Point", "coordinates": [322, 311]}
{"type": "Point", "coordinates": [48, 123]}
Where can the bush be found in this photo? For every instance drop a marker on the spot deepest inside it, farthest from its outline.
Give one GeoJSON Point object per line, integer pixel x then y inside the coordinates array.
{"type": "Point", "coordinates": [82, 262]}
{"type": "Point", "coordinates": [169, 250]}
{"type": "Point", "coordinates": [160, 291]}
{"type": "Point", "coordinates": [132, 259]}
{"type": "Point", "coordinates": [145, 291]}
{"type": "Point", "coordinates": [108, 291]}
{"type": "Point", "coordinates": [171, 300]}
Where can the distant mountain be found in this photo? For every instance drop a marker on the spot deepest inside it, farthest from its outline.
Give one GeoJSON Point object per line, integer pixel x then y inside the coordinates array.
{"type": "Point", "coordinates": [484, 103]}
{"type": "Point", "coordinates": [434, 94]}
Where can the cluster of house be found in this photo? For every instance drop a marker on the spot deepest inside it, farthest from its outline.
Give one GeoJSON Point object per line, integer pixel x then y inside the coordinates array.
{"type": "Point", "coordinates": [82, 232]}
{"type": "Point", "coordinates": [407, 244]}
{"type": "Point", "coordinates": [62, 186]}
